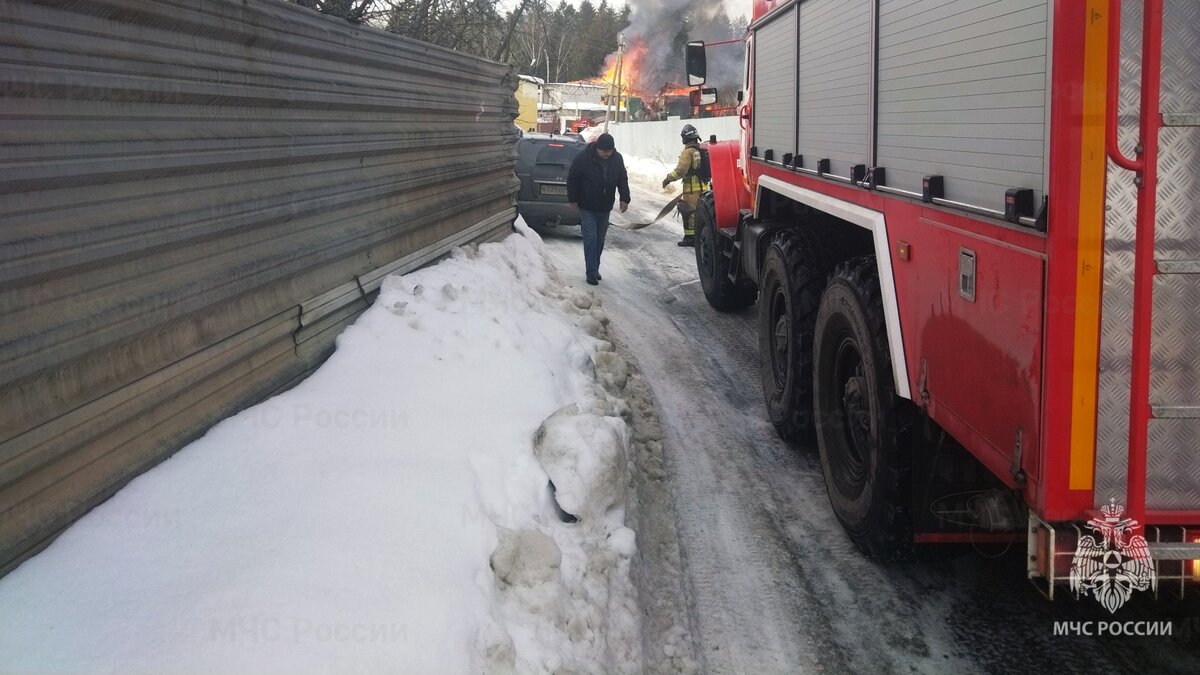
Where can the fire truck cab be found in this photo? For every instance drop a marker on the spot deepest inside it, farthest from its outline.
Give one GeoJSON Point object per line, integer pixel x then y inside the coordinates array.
{"type": "Point", "coordinates": [973, 233]}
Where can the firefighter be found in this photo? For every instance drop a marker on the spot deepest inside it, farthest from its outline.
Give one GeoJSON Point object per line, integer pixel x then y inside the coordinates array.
{"type": "Point", "coordinates": [688, 169]}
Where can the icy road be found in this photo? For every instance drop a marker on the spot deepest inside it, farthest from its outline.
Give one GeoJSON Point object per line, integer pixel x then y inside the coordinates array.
{"type": "Point", "coordinates": [771, 583]}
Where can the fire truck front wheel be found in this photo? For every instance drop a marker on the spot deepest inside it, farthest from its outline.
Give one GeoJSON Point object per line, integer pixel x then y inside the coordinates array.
{"type": "Point", "coordinates": [857, 414]}
{"type": "Point", "coordinates": [713, 267]}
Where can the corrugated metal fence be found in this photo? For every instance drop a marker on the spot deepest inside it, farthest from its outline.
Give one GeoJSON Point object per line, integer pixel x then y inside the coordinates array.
{"type": "Point", "coordinates": [197, 195]}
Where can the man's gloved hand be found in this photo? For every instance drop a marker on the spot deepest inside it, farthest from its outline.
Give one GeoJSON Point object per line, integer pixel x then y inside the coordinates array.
{"type": "Point", "coordinates": [666, 181]}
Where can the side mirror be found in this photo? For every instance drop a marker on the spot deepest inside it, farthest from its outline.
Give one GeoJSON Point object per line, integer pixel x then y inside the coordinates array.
{"type": "Point", "coordinates": [695, 63]}
{"type": "Point", "coordinates": [741, 96]}
{"type": "Point", "coordinates": [702, 97]}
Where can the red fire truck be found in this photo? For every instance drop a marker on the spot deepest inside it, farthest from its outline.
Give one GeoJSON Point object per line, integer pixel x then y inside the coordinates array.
{"type": "Point", "coordinates": [973, 232]}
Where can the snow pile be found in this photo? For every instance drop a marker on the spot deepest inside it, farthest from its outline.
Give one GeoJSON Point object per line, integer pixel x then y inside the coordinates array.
{"type": "Point", "coordinates": [585, 456]}
{"type": "Point", "coordinates": [558, 590]}
{"type": "Point", "coordinates": [590, 134]}
{"type": "Point", "coordinates": [392, 512]}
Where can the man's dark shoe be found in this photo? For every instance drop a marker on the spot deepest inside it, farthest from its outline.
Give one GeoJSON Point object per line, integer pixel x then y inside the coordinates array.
{"type": "Point", "coordinates": [592, 281]}
{"type": "Point", "coordinates": [598, 277]}
{"type": "Point", "coordinates": [687, 241]}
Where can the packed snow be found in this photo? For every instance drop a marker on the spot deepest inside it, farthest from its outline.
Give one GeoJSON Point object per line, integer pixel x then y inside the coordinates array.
{"type": "Point", "coordinates": [447, 493]}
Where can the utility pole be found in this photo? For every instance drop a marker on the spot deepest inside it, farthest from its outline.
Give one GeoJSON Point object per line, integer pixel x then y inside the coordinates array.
{"type": "Point", "coordinates": [620, 64]}
{"type": "Point", "coordinates": [611, 95]}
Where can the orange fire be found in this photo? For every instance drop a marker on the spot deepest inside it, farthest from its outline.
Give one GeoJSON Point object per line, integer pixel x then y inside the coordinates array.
{"type": "Point", "coordinates": [630, 63]}
{"type": "Point", "coordinates": [672, 89]}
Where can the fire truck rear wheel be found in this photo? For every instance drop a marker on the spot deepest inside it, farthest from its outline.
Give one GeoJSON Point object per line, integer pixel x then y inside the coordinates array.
{"type": "Point", "coordinates": [789, 292]}
{"type": "Point", "coordinates": [713, 267]}
{"type": "Point", "coordinates": [864, 460]}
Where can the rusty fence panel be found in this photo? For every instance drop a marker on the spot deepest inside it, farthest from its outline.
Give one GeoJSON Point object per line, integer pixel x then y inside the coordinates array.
{"type": "Point", "coordinates": [196, 196]}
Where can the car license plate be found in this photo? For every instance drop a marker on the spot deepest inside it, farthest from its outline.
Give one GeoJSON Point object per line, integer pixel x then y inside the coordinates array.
{"type": "Point", "coordinates": [554, 189]}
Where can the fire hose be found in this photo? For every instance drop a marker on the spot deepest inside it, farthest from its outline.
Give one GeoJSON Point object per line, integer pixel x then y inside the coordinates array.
{"type": "Point", "coordinates": [665, 210]}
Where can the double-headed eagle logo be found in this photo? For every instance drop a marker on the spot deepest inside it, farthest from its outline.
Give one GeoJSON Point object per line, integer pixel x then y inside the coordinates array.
{"type": "Point", "coordinates": [1112, 568]}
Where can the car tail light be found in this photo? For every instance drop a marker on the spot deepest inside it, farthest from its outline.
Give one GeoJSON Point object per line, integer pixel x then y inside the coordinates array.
{"type": "Point", "coordinates": [555, 145]}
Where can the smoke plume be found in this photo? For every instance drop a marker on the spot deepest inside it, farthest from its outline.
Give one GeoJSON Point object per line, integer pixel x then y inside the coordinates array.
{"type": "Point", "coordinates": [656, 38]}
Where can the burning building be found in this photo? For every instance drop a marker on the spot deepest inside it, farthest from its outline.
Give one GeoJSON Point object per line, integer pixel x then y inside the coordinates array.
{"type": "Point", "coordinates": [673, 100]}
{"type": "Point", "coordinates": [640, 81]}
{"type": "Point", "coordinates": [626, 79]}
{"type": "Point", "coordinates": [653, 59]}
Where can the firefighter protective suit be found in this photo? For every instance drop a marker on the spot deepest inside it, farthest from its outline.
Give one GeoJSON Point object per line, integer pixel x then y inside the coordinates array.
{"type": "Point", "coordinates": [687, 169]}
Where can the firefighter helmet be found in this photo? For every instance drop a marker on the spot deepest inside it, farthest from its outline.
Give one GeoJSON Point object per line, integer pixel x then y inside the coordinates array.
{"type": "Point", "coordinates": [689, 133]}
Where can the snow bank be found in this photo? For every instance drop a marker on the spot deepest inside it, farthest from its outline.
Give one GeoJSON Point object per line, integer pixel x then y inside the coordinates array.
{"type": "Point", "coordinates": [392, 512]}
{"type": "Point", "coordinates": [649, 174]}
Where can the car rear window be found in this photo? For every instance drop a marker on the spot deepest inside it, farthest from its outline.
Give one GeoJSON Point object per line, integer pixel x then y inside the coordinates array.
{"type": "Point", "coordinates": [558, 153]}
{"type": "Point", "coordinates": [527, 152]}
{"type": "Point", "coordinates": [542, 151]}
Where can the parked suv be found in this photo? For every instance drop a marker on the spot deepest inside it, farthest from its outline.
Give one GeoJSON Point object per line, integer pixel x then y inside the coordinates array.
{"type": "Point", "coordinates": [543, 161]}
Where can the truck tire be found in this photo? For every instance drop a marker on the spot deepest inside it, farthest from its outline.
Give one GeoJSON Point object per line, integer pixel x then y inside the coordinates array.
{"type": "Point", "coordinates": [865, 461]}
{"type": "Point", "coordinates": [793, 275]}
{"type": "Point", "coordinates": [712, 265]}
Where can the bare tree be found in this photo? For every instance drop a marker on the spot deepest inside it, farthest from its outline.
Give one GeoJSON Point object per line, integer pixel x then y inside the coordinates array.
{"type": "Point", "coordinates": [502, 53]}
{"type": "Point", "coordinates": [356, 11]}
{"type": "Point", "coordinates": [559, 42]}
{"type": "Point", "coordinates": [472, 26]}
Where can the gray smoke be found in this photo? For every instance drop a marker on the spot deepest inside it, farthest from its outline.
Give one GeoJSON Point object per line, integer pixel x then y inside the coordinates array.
{"type": "Point", "coordinates": [666, 26]}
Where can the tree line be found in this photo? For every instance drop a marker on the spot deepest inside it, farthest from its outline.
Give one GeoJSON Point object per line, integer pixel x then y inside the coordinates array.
{"type": "Point", "coordinates": [557, 42]}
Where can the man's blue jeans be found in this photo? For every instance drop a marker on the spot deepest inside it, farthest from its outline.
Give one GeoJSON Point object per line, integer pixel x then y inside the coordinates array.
{"type": "Point", "coordinates": [594, 225]}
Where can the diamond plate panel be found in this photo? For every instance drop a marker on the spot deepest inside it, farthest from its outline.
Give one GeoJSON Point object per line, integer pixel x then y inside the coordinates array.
{"type": "Point", "coordinates": [1116, 322]}
{"type": "Point", "coordinates": [1175, 341]}
{"type": "Point", "coordinates": [1112, 428]}
{"type": "Point", "coordinates": [1181, 56]}
{"type": "Point", "coordinates": [1173, 472]}
{"type": "Point", "coordinates": [1174, 455]}
{"type": "Point", "coordinates": [1173, 481]}
{"type": "Point", "coordinates": [1177, 232]}
{"type": "Point", "coordinates": [1178, 227]}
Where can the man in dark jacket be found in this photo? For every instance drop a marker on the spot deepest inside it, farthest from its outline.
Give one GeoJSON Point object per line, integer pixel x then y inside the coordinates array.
{"type": "Point", "coordinates": [592, 183]}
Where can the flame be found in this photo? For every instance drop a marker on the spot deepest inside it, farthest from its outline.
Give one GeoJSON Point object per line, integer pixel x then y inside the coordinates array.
{"type": "Point", "coordinates": [672, 89]}
{"type": "Point", "coordinates": [609, 74]}
{"type": "Point", "coordinates": [630, 67]}
{"type": "Point", "coordinates": [634, 78]}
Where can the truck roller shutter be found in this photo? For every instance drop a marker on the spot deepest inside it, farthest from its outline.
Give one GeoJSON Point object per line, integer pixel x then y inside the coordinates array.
{"type": "Point", "coordinates": [963, 94]}
{"type": "Point", "coordinates": [834, 104]}
{"type": "Point", "coordinates": [775, 86]}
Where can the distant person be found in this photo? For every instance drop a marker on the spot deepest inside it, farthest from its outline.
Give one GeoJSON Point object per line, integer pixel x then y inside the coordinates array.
{"type": "Point", "coordinates": [592, 183]}
{"type": "Point", "coordinates": [688, 169]}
